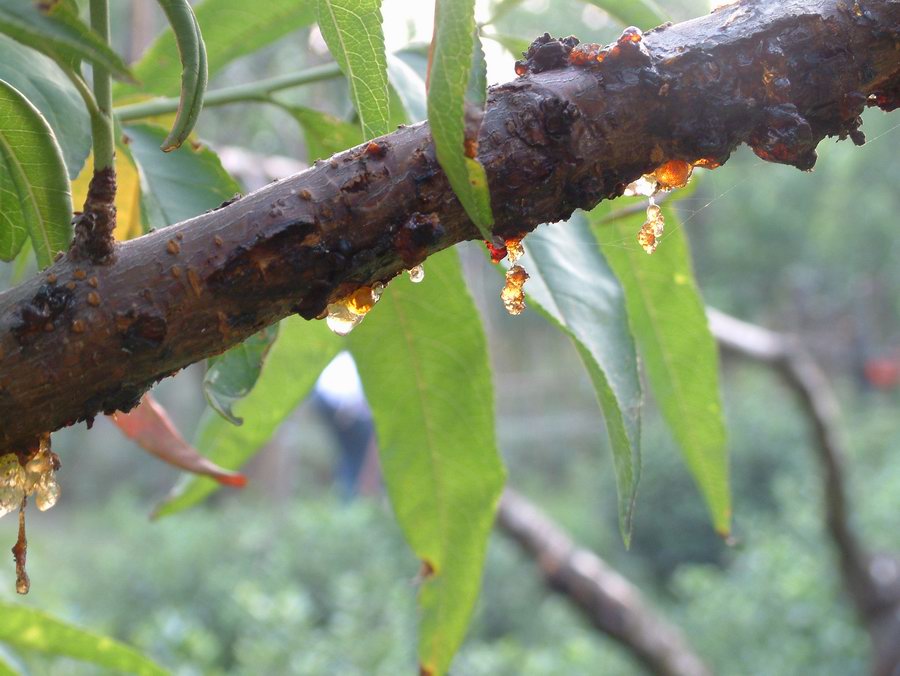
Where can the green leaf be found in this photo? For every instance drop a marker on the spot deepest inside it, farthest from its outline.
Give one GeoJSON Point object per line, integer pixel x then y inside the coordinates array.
{"type": "Point", "coordinates": [34, 186]}
{"type": "Point", "coordinates": [178, 185]}
{"type": "Point", "coordinates": [194, 76]}
{"type": "Point", "coordinates": [352, 31]}
{"type": "Point", "coordinates": [6, 669]}
{"type": "Point", "coordinates": [423, 361]}
{"type": "Point", "coordinates": [644, 14]}
{"type": "Point", "coordinates": [575, 287]}
{"type": "Point", "coordinates": [231, 29]}
{"type": "Point", "coordinates": [61, 35]}
{"type": "Point", "coordinates": [476, 90]}
{"type": "Point", "coordinates": [680, 357]}
{"type": "Point", "coordinates": [231, 376]}
{"type": "Point", "coordinates": [294, 363]}
{"type": "Point", "coordinates": [408, 88]}
{"type": "Point", "coordinates": [503, 8]}
{"type": "Point", "coordinates": [515, 46]}
{"type": "Point", "coordinates": [41, 82]}
{"type": "Point", "coordinates": [450, 75]}
{"type": "Point", "coordinates": [30, 629]}
{"type": "Point", "coordinates": [325, 134]}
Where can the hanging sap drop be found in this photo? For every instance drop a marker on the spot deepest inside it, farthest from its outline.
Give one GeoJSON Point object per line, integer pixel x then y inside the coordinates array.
{"type": "Point", "coordinates": [341, 320]}
{"type": "Point", "coordinates": [647, 239]}
{"type": "Point", "coordinates": [645, 186]}
{"type": "Point", "coordinates": [673, 174]}
{"type": "Point", "coordinates": [46, 492]}
{"type": "Point", "coordinates": [513, 294]}
{"type": "Point", "coordinates": [416, 274]}
{"type": "Point", "coordinates": [362, 300]}
{"type": "Point", "coordinates": [12, 483]}
{"type": "Point", "coordinates": [652, 229]}
{"type": "Point", "coordinates": [514, 249]}
{"type": "Point", "coordinates": [345, 314]}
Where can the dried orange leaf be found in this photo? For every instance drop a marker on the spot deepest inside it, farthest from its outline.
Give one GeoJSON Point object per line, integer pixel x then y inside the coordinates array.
{"type": "Point", "coordinates": [149, 426]}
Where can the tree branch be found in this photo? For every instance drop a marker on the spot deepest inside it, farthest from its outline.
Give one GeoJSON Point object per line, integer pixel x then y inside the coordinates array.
{"type": "Point", "coordinates": [876, 596]}
{"type": "Point", "coordinates": [608, 601]}
{"type": "Point", "coordinates": [81, 338]}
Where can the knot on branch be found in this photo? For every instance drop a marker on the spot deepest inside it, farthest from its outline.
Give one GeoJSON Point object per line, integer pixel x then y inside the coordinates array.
{"type": "Point", "coordinates": [94, 227]}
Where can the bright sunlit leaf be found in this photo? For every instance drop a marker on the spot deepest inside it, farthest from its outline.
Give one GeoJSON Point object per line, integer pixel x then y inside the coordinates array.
{"type": "Point", "coordinates": [352, 30]}
{"type": "Point", "coordinates": [29, 629]}
{"type": "Point", "coordinates": [422, 357]}
{"type": "Point", "coordinates": [34, 188]}
{"type": "Point", "coordinates": [451, 72]}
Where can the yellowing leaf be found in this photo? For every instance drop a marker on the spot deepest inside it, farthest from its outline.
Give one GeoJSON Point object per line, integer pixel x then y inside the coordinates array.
{"type": "Point", "coordinates": [128, 195]}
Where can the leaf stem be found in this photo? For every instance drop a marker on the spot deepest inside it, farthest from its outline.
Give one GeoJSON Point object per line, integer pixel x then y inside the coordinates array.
{"type": "Point", "coordinates": [84, 90]}
{"type": "Point", "coordinates": [253, 91]}
{"type": "Point", "coordinates": [101, 124]}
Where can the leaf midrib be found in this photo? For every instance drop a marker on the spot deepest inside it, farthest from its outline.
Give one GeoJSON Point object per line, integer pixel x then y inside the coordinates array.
{"type": "Point", "coordinates": [23, 178]}
{"type": "Point", "coordinates": [677, 387]}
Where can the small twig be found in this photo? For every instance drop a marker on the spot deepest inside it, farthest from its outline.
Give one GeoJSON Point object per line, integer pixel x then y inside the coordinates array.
{"type": "Point", "coordinates": [604, 597]}
{"type": "Point", "coordinates": [20, 553]}
{"type": "Point", "coordinates": [876, 597]}
{"type": "Point", "coordinates": [104, 136]}
{"type": "Point", "coordinates": [94, 227]}
{"type": "Point", "coordinates": [253, 91]}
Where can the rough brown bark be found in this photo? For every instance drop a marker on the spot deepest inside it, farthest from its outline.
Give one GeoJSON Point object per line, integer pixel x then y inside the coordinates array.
{"type": "Point", "coordinates": [95, 225]}
{"type": "Point", "coordinates": [872, 581]}
{"type": "Point", "coordinates": [80, 339]}
{"type": "Point", "coordinates": [608, 601]}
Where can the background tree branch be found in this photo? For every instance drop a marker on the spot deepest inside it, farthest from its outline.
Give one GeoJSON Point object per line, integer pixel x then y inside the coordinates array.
{"type": "Point", "coordinates": [605, 598]}
{"type": "Point", "coordinates": [80, 339]}
{"type": "Point", "coordinates": [871, 580]}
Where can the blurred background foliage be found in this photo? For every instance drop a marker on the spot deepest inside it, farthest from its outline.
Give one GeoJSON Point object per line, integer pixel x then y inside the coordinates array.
{"type": "Point", "coordinates": [291, 577]}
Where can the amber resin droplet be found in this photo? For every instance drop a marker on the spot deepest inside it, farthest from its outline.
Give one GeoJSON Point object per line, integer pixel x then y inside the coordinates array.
{"type": "Point", "coordinates": [706, 163]}
{"type": "Point", "coordinates": [12, 483]}
{"type": "Point", "coordinates": [498, 253]}
{"type": "Point", "coordinates": [513, 293]}
{"type": "Point", "coordinates": [647, 239]}
{"type": "Point", "coordinates": [344, 315]}
{"type": "Point", "coordinates": [37, 477]}
{"type": "Point", "coordinates": [584, 54]}
{"type": "Point", "coordinates": [652, 229]}
{"type": "Point", "coordinates": [514, 250]}
{"type": "Point", "coordinates": [630, 34]}
{"type": "Point", "coordinates": [673, 174]}
{"type": "Point", "coordinates": [362, 300]}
